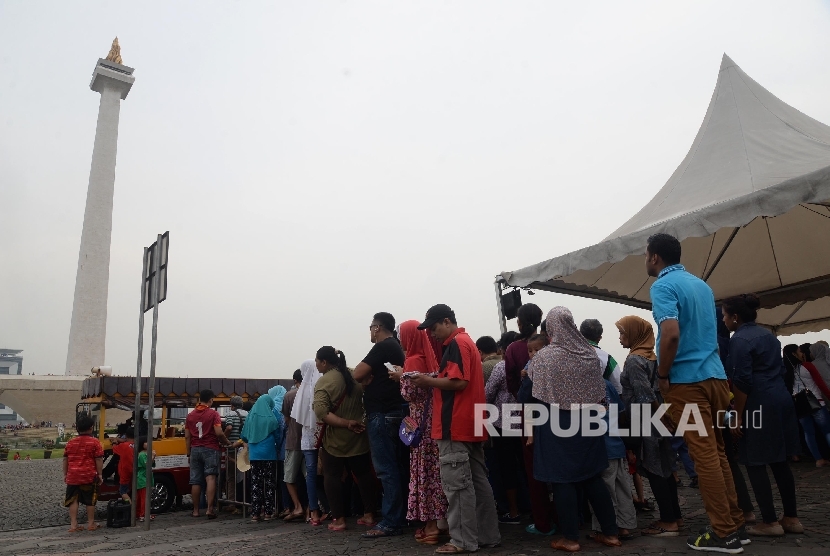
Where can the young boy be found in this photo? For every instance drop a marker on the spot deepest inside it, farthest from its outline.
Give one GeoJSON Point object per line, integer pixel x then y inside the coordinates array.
{"type": "Point", "coordinates": [123, 448]}
{"type": "Point", "coordinates": [83, 461]}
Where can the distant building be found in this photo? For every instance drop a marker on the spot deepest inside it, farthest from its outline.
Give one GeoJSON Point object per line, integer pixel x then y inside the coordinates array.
{"type": "Point", "coordinates": [10, 364]}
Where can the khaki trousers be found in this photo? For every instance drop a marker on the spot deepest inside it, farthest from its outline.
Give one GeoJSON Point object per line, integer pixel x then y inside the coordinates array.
{"type": "Point", "coordinates": [717, 488]}
{"type": "Point", "coordinates": [471, 515]}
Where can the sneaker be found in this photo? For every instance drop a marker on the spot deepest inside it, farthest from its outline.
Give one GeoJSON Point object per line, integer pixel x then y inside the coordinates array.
{"type": "Point", "coordinates": [743, 536]}
{"type": "Point", "coordinates": [708, 541]}
{"type": "Point", "coordinates": [534, 531]}
{"type": "Point", "coordinates": [507, 519]}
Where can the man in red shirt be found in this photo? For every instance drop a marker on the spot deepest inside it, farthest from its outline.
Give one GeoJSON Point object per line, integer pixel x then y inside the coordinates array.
{"type": "Point", "coordinates": [83, 461]}
{"type": "Point", "coordinates": [203, 435]}
{"type": "Point", "coordinates": [123, 448]}
{"type": "Point", "coordinates": [458, 394]}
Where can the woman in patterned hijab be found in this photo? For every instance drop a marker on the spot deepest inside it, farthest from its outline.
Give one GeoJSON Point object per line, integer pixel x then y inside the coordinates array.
{"type": "Point", "coordinates": [565, 374]}
{"type": "Point", "coordinates": [568, 370]}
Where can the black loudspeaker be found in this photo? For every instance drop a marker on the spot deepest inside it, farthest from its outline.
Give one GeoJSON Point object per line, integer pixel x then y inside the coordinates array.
{"type": "Point", "coordinates": [510, 303]}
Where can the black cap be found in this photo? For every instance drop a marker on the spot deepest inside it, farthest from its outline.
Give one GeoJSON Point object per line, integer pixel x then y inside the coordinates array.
{"type": "Point", "coordinates": [437, 313]}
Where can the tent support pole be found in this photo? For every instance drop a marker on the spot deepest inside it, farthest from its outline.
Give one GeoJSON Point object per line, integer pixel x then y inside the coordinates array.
{"type": "Point", "coordinates": [722, 253]}
{"type": "Point", "coordinates": [791, 315]}
{"type": "Point", "coordinates": [502, 321]}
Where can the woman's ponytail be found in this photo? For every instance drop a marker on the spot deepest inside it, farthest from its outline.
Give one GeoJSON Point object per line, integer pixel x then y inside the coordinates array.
{"type": "Point", "coordinates": [338, 359]}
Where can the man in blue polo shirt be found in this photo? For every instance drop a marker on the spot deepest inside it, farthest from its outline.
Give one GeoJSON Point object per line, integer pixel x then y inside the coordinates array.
{"type": "Point", "coordinates": [690, 372]}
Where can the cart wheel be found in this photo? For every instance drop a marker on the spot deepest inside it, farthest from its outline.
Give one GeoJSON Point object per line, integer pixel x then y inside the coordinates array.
{"type": "Point", "coordinates": [164, 494]}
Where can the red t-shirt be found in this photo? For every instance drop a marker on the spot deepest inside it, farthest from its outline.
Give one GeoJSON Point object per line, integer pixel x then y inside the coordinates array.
{"type": "Point", "coordinates": [82, 452]}
{"type": "Point", "coordinates": [453, 411]}
{"type": "Point", "coordinates": [200, 423]}
{"type": "Point", "coordinates": [124, 451]}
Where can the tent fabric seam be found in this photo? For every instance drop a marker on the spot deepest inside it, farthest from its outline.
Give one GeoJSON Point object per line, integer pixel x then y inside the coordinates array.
{"type": "Point", "coordinates": [780, 119]}
{"type": "Point", "coordinates": [743, 136]}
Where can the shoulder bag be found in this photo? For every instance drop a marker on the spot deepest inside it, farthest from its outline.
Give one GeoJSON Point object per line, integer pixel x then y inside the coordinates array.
{"type": "Point", "coordinates": [411, 433]}
{"type": "Point", "coordinates": [805, 401]}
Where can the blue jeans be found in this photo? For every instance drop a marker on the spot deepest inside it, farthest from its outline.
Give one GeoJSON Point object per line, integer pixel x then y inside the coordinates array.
{"type": "Point", "coordinates": [384, 441]}
{"type": "Point", "coordinates": [819, 419]}
{"type": "Point", "coordinates": [679, 446]}
{"type": "Point", "coordinates": [310, 457]}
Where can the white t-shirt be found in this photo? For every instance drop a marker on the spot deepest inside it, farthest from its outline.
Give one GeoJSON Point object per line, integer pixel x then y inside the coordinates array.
{"type": "Point", "coordinates": [803, 380]}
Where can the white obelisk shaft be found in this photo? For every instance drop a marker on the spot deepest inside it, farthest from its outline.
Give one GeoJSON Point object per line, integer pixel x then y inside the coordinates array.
{"type": "Point", "coordinates": [88, 332]}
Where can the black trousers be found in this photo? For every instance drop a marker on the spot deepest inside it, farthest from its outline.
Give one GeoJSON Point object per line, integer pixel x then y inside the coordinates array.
{"type": "Point", "coordinates": [508, 450]}
{"type": "Point", "coordinates": [665, 494]}
{"type": "Point", "coordinates": [361, 468]}
{"type": "Point", "coordinates": [744, 501]}
{"type": "Point", "coordinates": [763, 490]}
{"type": "Point", "coordinates": [566, 496]}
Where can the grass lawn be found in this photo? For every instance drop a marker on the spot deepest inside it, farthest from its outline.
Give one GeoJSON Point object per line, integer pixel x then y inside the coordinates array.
{"type": "Point", "coordinates": [35, 454]}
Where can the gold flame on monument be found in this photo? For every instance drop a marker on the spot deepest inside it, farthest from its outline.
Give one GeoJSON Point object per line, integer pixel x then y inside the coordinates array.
{"type": "Point", "coordinates": [115, 52]}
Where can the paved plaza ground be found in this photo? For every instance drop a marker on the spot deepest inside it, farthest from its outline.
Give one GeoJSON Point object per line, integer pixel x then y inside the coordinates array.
{"type": "Point", "coordinates": [33, 522]}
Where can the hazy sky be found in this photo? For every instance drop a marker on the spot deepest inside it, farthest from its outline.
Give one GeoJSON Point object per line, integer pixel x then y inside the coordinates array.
{"type": "Point", "coordinates": [317, 162]}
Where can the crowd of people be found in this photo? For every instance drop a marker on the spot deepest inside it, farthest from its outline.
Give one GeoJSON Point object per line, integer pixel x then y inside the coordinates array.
{"type": "Point", "coordinates": [395, 439]}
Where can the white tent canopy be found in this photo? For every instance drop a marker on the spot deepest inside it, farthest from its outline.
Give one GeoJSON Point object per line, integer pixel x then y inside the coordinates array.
{"type": "Point", "coordinates": [750, 204]}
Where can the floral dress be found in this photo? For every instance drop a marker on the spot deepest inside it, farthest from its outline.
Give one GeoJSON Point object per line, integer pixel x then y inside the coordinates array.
{"type": "Point", "coordinates": [426, 496]}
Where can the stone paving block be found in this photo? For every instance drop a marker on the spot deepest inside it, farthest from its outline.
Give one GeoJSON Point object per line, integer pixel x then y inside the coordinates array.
{"type": "Point", "coordinates": [32, 521]}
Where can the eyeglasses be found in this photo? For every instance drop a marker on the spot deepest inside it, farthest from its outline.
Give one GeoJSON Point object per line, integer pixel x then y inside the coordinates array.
{"type": "Point", "coordinates": [373, 326]}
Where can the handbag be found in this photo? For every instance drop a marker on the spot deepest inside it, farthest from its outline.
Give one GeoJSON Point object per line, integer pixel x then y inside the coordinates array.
{"type": "Point", "coordinates": [805, 401]}
{"type": "Point", "coordinates": [411, 432]}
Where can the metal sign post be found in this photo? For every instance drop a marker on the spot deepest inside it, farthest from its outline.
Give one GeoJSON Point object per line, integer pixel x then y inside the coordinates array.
{"type": "Point", "coordinates": [137, 412]}
{"type": "Point", "coordinates": [153, 292]}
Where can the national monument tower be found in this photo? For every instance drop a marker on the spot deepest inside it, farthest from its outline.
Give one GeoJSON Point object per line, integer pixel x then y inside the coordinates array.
{"type": "Point", "coordinates": [88, 332]}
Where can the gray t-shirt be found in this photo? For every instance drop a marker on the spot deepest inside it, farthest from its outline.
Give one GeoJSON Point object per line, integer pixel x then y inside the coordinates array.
{"type": "Point", "coordinates": [235, 420]}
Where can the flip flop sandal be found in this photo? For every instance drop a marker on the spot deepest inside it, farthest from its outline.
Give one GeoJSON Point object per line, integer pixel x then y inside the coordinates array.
{"type": "Point", "coordinates": [557, 545]}
{"type": "Point", "coordinates": [428, 539]}
{"type": "Point", "coordinates": [293, 517]}
{"type": "Point", "coordinates": [94, 526]}
{"type": "Point", "coordinates": [628, 537]}
{"type": "Point", "coordinates": [376, 533]}
{"type": "Point", "coordinates": [77, 529]}
{"type": "Point", "coordinates": [211, 516]}
{"type": "Point", "coordinates": [602, 539]}
{"type": "Point", "coordinates": [362, 521]}
{"type": "Point", "coordinates": [450, 548]}
{"type": "Point", "coordinates": [654, 531]}
{"type": "Point", "coordinates": [333, 527]}
{"type": "Point", "coordinates": [645, 506]}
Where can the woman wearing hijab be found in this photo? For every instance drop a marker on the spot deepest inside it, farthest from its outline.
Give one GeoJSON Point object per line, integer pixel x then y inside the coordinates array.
{"type": "Point", "coordinates": [654, 454]}
{"type": "Point", "coordinates": [260, 435]}
{"type": "Point", "coordinates": [566, 374]}
{"type": "Point", "coordinates": [820, 357]}
{"type": "Point", "coordinates": [303, 413]}
{"type": "Point", "coordinates": [427, 502]}
{"type": "Point", "coordinates": [278, 394]}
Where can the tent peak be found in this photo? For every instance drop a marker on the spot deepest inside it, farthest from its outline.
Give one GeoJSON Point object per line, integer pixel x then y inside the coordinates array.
{"type": "Point", "coordinates": [726, 62]}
